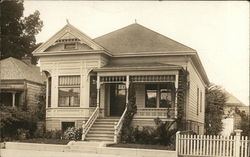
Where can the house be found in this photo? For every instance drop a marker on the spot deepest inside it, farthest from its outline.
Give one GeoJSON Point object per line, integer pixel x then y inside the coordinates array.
{"type": "Point", "coordinates": [88, 80]}
{"type": "Point", "coordinates": [231, 119]}
{"type": "Point", "coordinates": [20, 82]}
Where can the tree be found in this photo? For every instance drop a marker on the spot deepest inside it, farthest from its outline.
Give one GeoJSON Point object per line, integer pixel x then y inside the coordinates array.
{"type": "Point", "coordinates": [244, 122]}
{"type": "Point", "coordinates": [215, 101]}
{"type": "Point", "coordinates": [18, 32]}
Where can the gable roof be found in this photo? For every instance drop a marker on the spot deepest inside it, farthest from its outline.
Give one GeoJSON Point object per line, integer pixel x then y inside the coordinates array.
{"type": "Point", "coordinates": [14, 69]}
{"type": "Point", "coordinates": [68, 31]}
{"type": "Point", "coordinates": [136, 38]}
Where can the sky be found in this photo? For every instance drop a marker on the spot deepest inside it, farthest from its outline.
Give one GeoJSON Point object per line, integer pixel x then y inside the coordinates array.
{"type": "Point", "coordinates": [219, 31]}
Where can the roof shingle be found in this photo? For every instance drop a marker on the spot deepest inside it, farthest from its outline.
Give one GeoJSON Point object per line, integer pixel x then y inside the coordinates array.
{"type": "Point", "coordinates": [14, 69]}
{"type": "Point", "coordinates": [136, 38]}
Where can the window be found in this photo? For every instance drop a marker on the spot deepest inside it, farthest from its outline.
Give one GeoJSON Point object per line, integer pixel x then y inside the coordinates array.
{"type": "Point", "coordinates": [159, 95]}
{"type": "Point", "coordinates": [151, 95]}
{"type": "Point", "coordinates": [70, 46]}
{"type": "Point", "coordinates": [200, 101]}
{"type": "Point", "coordinates": [66, 125]}
{"type": "Point", "coordinates": [197, 109]}
{"type": "Point", "coordinates": [93, 91]}
{"type": "Point", "coordinates": [49, 92]}
{"type": "Point", "coordinates": [69, 91]}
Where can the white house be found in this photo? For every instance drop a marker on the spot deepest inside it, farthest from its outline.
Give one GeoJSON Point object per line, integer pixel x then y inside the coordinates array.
{"type": "Point", "coordinates": [87, 80]}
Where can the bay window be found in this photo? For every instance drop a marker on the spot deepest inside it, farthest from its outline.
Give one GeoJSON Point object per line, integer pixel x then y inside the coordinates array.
{"type": "Point", "coordinates": [69, 91]}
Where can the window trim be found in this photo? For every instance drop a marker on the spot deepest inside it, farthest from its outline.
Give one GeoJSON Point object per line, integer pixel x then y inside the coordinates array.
{"type": "Point", "coordinates": [78, 86]}
{"type": "Point", "coordinates": [158, 96]}
{"type": "Point", "coordinates": [197, 101]}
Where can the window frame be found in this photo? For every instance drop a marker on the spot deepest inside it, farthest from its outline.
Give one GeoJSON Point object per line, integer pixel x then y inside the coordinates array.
{"type": "Point", "coordinates": [78, 86]}
{"type": "Point", "coordinates": [158, 95]}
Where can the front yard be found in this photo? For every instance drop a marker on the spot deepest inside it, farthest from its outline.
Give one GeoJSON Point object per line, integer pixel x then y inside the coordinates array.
{"type": "Point", "coordinates": [142, 146]}
{"type": "Point", "coordinates": [45, 141]}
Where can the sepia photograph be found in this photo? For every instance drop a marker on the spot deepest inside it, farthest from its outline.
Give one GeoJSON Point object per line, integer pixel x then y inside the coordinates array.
{"type": "Point", "coordinates": [124, 78]}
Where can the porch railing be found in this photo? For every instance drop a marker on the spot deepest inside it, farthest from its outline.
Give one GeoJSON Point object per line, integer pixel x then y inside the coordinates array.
{"type": "Point", "coordinates": [118, 126]}
{"type": "Point", "coordinates": [155, 112]}
{"type": "Point", "coordinates": [86, 126]}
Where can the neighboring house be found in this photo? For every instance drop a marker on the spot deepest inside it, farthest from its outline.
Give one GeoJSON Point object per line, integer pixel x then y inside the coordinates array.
{"type": "Point", "coordinates": [20, 82]}
{"type": "Point", "coordinates": [84, 73]}
{"type": "Point", "coordinates": [232, 120]}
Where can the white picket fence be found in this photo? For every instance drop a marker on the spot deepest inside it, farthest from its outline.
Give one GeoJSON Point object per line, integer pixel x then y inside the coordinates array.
{"type": "Point", "coordinates": [212, 146]}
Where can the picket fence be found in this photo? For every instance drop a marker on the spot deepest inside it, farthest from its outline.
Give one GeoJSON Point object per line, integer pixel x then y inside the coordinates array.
{"type": "Point", "coordinates": [212, 146]}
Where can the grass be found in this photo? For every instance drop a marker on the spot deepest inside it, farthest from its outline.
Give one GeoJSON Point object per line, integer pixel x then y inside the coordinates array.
{"type": "Point", "coordinates": [142, 146]}
{"type": "Point", "coordinates": [46, 141]}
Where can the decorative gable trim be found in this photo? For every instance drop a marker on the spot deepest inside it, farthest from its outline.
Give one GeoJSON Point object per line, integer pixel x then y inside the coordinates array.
{"type": "Point", "coordinates": [68, 34]}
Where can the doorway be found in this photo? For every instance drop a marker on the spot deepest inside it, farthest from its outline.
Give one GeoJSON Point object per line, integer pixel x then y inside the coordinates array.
{"type": "Point", "coordinates": [117, 99]}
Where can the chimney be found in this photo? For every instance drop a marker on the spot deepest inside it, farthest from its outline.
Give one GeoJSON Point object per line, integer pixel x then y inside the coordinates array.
{"type": "Point", "coordinates": [26, 59]}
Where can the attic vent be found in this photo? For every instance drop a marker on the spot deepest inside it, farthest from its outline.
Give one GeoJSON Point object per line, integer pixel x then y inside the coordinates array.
{"type": "Point", "coordinates": [67, 40]}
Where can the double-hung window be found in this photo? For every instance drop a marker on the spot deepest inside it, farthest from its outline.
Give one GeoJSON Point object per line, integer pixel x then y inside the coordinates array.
{"type": "Point", "coordinates": [69, 91]}
{"type": "Point", "coordinates": [159, 95]}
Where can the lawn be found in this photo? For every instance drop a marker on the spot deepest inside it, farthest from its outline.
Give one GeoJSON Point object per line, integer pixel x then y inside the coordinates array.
{"type": "Point", "coordinates": [142, 146]}
{"type": "Point", "coordinates": [46, 141]}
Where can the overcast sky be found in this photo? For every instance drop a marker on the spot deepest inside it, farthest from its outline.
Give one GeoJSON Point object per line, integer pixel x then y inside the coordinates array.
{"type": "Point", "coordinates": [219, 31]}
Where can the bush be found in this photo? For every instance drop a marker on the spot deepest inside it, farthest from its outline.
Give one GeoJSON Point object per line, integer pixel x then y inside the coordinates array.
{"type": "Point", "coordinates": [53, 134]}
{"type": "Point", "coordinates": [13, 119]}
{"type": "Point", "coordinates": [23, 134]}
{"type": "Point", "coordinates": [163, 134]}
{"type": "Point", "coordinates": [73, 133]}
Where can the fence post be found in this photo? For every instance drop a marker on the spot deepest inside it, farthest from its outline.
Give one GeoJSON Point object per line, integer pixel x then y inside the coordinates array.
{"type": "Point", "coordinates": [237, 143]}
{"type": "Point", "coordinates": [177, 142]}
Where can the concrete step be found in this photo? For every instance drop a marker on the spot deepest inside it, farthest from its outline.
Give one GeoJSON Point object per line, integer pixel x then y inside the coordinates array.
{"type": "Point", "coordinates": [99, 139]}
{"type": "Point", "coordinates": [105, 122]}
{"type": "Point", "coordinates": [99, 135]}
{"type": "Point", "coordinates": [103, 126]}
{"type": "Point", "coordinates": [101, 131]}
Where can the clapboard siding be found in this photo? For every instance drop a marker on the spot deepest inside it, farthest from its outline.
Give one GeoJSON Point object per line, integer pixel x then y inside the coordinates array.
{"type": "Point", "coordinates": [195, 82]}
{"type": "Point", "coordinates": [33, 91]}
{"type": "Point", "coordinates": [140, 95]}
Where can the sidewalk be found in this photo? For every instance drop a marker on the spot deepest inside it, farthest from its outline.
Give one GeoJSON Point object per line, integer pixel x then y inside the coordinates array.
{"type": "Point", "coordinates": [33, 153]}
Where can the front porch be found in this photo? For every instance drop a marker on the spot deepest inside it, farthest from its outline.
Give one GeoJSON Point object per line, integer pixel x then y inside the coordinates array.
{"type": "Point", "coordinates": [156, 97]}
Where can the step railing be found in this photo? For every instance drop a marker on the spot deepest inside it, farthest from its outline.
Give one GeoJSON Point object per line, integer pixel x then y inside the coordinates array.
{"type": "Point", "coordinates": [86, 126]}
{"type": "Point", "coordinates": [118, 126]}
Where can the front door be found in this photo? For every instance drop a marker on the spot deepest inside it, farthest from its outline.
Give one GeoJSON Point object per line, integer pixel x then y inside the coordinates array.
{"type": "Point", "coordinates": [117, 99]}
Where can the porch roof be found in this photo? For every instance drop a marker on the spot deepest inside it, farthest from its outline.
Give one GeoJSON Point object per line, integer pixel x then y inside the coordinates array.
{"type": "Point", "coordinates": [138, 66]}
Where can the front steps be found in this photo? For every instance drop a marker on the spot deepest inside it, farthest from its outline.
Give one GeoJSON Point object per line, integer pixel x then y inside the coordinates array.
{"type": "Point", "coordinates": [102, 130]}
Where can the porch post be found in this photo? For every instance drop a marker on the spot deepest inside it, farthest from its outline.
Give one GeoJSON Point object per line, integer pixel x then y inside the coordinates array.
{"type": "Point", "coordinates": [176, 94]}
{"type": "Point", "coordinates": [13, 98]}
{"type": "Point", "coordinates": [127, 88]}
{"type": "Point", "coordinates": [98, 91]}
{"type": "Point", "coordinates": [47, 92]}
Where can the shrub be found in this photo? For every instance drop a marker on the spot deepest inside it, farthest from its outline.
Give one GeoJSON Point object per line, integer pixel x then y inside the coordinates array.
{"type": "Point", "coordinates": [73, 133]}
{"type": "Point", "coordinates": [23, 134]}
{"type": "Point", "coordinates": [53, 134]}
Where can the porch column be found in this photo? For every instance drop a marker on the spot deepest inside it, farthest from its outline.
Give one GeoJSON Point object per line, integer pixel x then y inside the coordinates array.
{"type": "Point", "coordinates": [127, 88]}
{"type": "Point", "coordinates": [176, 95]}
{"type": "Point", "coordinates": [98, 84]}
{"type": "Point", "coordinates": [13, 98]}
{"type": "Point", "coordinates": [47, 92]}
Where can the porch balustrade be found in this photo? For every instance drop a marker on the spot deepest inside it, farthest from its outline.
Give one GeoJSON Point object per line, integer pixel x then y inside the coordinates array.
{"type": "Point", "coordinates": [155, 112]}
{"type": "Point", "coordinates": [68, 112]}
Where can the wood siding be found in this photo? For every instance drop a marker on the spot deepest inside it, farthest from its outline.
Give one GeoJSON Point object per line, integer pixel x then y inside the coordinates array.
{"type": "Point", "coordinates": [195, 82]}
{"type": "Point", "coordinates": [33, 92]}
